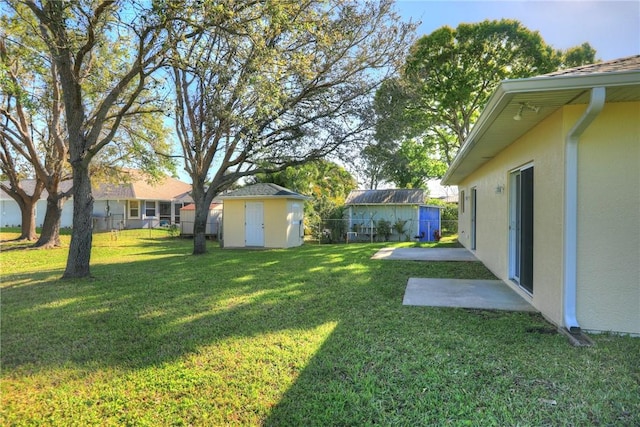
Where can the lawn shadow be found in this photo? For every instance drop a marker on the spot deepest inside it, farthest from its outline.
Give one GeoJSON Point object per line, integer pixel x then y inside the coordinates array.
{"type": "Point", "coordinates": [141, 313]}
{"type": "Point", "coordinates": [380, 362]}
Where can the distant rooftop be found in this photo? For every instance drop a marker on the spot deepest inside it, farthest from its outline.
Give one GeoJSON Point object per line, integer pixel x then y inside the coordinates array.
{"type": "Point", "coordinates": [630, 63]}
{"type": "Point", "coordinates": [388, 196]}
{"type": "Point", "coordinates": [164, 188]}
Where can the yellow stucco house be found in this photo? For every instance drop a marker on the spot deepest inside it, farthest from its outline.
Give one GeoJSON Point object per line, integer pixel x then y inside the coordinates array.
{"type": "Point", "coordinates": [549, 193]}
{"type": "Point", "coordinates": [263, 216]}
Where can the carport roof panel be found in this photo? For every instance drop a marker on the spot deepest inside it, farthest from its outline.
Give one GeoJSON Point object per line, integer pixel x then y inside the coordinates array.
{"type": "Point", "coordinates": [386, 197]}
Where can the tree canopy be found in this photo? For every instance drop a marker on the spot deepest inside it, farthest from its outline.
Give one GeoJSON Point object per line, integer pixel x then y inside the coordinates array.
{"type": "Point", "coordinates": [328, 183]}
{"type": "Point", "coordinates": [101, 55]}
{"type": "Point", "coordinates": [447, 78]}
{"type": "Point", "coordinates": [275, 84]}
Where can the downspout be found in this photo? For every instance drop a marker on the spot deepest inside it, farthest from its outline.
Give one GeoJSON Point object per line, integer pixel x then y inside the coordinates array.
{"type": "Point", "coordinates": [596, 103]}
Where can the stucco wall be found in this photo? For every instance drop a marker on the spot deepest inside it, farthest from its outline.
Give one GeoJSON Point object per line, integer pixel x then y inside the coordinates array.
{"type": "Point", "coordinates": [542, 147]}
{"type": "Point", "coordinates": [608, 295]}
{"type": "Point", "coordinates": [609, 220]}
{"type": "Point", "coordinates": [275, 223]}
{"type": "Point", "coordinates": [233, 223]}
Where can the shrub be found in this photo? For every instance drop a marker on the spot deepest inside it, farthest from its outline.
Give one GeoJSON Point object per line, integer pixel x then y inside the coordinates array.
{"type": "Point", "coordinates": [384, 229]}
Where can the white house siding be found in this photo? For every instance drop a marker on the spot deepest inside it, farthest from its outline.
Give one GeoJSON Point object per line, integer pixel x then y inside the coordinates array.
{"type": "Point", "coordinates": [10, 215]}
{"type": "Point", "coordinates": [542, 147]}
{"type": "Point", "coordinates": [609, 220]}
{"type": "Point", "coordinates": [112, 218]}
{"type": "Point", "coordinates": [66, 219]}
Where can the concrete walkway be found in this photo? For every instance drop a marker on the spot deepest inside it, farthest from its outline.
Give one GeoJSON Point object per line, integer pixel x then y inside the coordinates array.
{"type": "Point", "coordinates": [425, 254]}
{"type": "Point", "coordinates": [480, 294]}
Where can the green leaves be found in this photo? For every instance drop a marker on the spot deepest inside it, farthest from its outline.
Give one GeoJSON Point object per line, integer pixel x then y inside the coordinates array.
{"type": "Point", "coordinates": [447, 79]}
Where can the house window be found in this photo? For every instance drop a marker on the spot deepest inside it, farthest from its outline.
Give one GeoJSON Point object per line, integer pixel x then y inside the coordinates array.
{"type": "Point", "coordinates": [165, 213]}
{"type": "Point", "coordinates": [150, 209]}
{"type": "Point", "coordinates": [134, 209]}
{"type": "Point", "coordinates": [461, 198]}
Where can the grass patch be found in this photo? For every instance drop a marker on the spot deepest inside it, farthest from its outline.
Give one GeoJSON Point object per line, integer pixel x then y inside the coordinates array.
{"type": "Point", "coordinates": [315, 335]}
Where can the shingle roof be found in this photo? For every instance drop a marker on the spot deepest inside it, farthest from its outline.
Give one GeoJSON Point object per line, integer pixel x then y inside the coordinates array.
{"type": "Point", "coordinates": [28, 185]}
{"type": "Point", "coordinates": [629, 63]}
{"type": "Point", "coordinates": [388, 197]}
{"type": "Point", "coordinates": [263, 190]}
{"type": "Point", "coordinates": [165, 189]}
{"type": "Point", "coordinates": [112, 191]}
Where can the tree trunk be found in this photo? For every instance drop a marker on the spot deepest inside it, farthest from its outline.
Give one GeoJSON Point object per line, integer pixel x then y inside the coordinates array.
{"type": "Point", "coordinates": [81, 235]}
{"type": "Point", "coordinates": [200, 220]}
{"type": "Point", "coordinates": [28, 215]}
{"type": "Point", "coordinates": [199, 229]}
{"type": "Point", "coordinates": [27, 204]}
{"type": "Point", "coordinates": [50, 235]}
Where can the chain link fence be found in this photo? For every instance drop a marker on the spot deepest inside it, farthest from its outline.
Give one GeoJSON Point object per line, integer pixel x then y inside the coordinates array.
{"type": "Point", "coordinates": [341, 231]}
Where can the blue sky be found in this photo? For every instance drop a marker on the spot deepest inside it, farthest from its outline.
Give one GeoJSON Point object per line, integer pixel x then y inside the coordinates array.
{"type": "Point", "coordinates": [611, 27]}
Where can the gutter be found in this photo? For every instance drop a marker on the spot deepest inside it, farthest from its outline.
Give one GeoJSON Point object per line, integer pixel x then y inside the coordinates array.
{"type": "Point", "coordinates": [596, 103]}
{"type": "Point", "coordinates": [507, 89]}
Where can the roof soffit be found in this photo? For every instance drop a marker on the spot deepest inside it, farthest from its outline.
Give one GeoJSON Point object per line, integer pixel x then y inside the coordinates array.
{"type": "Point", "coordinates": [496, 128]}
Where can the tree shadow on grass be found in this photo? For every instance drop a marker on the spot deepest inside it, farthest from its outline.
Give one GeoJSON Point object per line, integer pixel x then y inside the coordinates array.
{"type": "Point", "coordinates": [134, 314]}
{"type": "Point", "coordinates": [379, 362]}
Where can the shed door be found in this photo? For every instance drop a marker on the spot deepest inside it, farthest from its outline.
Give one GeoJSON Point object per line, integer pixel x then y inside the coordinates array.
{"type": "Point", "coordinates": [429, 223]}
{"type": "Point", "coordinates": [254, 224]}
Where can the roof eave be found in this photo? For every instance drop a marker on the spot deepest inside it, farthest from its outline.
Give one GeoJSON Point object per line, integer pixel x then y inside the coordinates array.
{"type": "Point", "coordinates": [507, 89]}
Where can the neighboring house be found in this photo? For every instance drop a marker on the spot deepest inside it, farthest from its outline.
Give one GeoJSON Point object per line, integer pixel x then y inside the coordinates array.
{"type": "Point", "coordinates": [263, 215]}
{"type": "Point", "coordinates": [139, 203]}
{"type": "Point", "coordinates": [134, 204]}
{"type": "Point", "coordinates": [10, 215]}
{"type": "Point", "coordinates": [366, 207]}
{"type": "Point", "coordinates": [214, 219]}
{"type": "Point", "coordinates": [548, 182]}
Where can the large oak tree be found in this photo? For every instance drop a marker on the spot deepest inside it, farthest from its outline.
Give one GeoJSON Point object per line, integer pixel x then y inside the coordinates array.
{"type": "Point", "coordinates": [98, 97]}
{"type": "Point", "coordinates": [32, 130]}
{"type": "Point", "coordinates": [277, 83]}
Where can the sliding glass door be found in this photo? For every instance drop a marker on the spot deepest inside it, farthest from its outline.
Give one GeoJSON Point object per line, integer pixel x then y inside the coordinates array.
{"type": "Point", "coordinates": [521, 228]}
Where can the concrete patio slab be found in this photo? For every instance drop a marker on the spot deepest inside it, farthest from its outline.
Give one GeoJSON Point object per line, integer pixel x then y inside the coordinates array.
{"type": "Point", "coordinates": [479, 294]}
{"type": "Point", "coordinates": [425, 254]}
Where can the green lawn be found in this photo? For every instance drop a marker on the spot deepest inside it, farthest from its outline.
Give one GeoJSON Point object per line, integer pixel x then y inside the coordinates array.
{"type": "Point", "coordinates": [311, 336]}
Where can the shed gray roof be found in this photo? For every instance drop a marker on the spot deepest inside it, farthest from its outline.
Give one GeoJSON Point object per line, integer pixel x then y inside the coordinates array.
{"type": "Point", "coordinates": [263, 190]}
{"type": "Point", "coordinates": [386, 197]}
